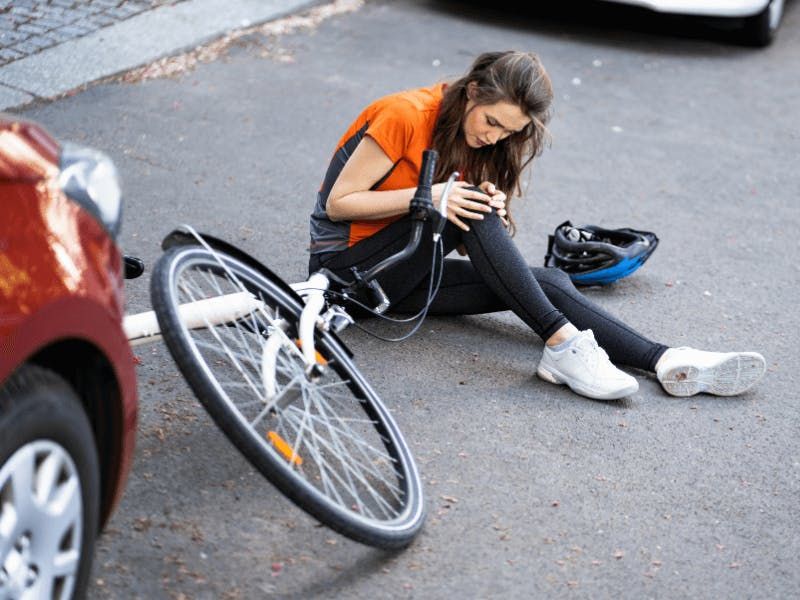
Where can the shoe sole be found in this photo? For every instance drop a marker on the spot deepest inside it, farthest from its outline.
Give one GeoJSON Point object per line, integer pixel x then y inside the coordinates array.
{"type": "Point", "coordinates": [733, 374]}
{"type": "Point", "coordinates": [553, 376]}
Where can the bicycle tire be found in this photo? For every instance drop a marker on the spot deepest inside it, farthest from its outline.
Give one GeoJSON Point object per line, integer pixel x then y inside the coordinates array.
{"type": "Point", "coordinates": [377, 499]}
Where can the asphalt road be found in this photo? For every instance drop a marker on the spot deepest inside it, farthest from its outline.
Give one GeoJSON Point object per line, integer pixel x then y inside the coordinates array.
{"type": "Point", "coordinates": [532, 491]}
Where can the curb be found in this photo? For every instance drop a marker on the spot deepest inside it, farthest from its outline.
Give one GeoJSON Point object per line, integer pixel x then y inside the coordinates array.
{"type": "Point", "coordinates": [131, 43]}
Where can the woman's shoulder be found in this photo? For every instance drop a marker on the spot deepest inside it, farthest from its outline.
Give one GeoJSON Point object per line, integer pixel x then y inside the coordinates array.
{"type": "Point", "coordinates": [413, 103]}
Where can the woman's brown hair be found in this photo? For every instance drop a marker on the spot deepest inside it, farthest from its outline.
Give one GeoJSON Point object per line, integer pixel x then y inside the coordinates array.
{"type": "Point", "coordinates": [515, 77]}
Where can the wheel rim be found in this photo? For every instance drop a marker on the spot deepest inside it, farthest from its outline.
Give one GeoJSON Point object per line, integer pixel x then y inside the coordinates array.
{"type": "Point", "coordinates": [41, 520]}
{"type": "Point", "coordinates": [342, 456]}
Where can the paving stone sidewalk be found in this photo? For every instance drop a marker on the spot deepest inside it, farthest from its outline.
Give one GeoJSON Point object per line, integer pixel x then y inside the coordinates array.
{"type": "Point", "coordinates": [30, 26]}
{"type": "Point", "coordinates": [51, 47]}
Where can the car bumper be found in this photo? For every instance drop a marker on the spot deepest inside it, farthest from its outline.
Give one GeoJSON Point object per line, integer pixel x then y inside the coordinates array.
{"type": "Point", "coordinates": [711, 8]}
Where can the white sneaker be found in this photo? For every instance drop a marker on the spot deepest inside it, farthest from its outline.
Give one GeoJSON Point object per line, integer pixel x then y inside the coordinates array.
{"type": "Point", "coordinates": [686, 371]}
{"type": "Point", "coordinates": [585, 368]}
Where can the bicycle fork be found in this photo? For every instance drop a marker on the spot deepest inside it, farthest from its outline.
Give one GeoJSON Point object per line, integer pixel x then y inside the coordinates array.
{"type": "Point", "coordinates": [311, 318]}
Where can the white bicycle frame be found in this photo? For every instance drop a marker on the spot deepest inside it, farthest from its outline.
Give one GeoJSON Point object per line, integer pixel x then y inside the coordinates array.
{"type": "Point", "coordinates": [143, 327]}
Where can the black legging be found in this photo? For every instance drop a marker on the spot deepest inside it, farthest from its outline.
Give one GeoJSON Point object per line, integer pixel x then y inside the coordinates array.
{"type": "Point", "coordinates": [496, 278]}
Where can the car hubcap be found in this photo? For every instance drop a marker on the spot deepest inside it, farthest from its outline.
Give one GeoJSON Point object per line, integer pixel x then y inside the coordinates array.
{"type": "Point", "coordinates": [41, 519]}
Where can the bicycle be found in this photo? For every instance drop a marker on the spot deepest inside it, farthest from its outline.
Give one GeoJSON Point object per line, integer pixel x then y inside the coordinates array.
{"type": "Point", "coordinates": [264, 359]}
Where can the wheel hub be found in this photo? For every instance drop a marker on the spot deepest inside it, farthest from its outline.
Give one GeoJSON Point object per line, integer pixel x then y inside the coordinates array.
{"type": "Point", "coordinates": [40, 521]}
{"type": "Point", "coordinates": [19, 571]}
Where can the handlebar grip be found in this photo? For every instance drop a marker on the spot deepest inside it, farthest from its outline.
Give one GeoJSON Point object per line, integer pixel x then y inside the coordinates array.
{"type": "Point", "coordinates": [422, 200]}
{"type": "Point", "coordinates": [429, 158]}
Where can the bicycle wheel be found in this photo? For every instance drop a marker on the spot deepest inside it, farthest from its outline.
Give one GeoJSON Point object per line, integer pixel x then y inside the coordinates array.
{"type": "Point", "coordinates": [328, 444]}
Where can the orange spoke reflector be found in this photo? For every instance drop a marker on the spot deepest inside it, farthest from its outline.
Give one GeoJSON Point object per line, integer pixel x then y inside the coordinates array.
{"type": "Point", "coordinates": [284, 448]}
{"type": "Point", "coordinates": [320, 359]}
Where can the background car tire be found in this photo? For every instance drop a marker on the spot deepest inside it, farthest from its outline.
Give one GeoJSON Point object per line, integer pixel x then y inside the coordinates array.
{"type": "Point", "coordinates": [37, 405]}
{"type": "Point", "coordinates": [759, 30]}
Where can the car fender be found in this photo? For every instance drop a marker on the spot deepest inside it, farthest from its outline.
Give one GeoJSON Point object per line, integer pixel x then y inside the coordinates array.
{"type": "Point", "coordinates": [84, 319]}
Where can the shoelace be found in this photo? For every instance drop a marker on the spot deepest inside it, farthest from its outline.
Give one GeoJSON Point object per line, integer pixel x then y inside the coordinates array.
{"type": "Point", "coordinates": [588, 347]}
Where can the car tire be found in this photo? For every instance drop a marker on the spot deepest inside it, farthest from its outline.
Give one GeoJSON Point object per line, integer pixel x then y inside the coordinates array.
{"type": "Point", "coordinates": [759, 30]}
{"type": "Point", "coordinates": [49, 488]}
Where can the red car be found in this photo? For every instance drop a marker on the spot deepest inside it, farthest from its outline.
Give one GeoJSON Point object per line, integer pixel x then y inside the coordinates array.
{"type": "Point", "coordinates": [68, 404]}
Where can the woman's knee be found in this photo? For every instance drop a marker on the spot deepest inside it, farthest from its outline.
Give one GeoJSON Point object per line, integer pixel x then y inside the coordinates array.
{"type": "Point", "coordinates": [491, 224]}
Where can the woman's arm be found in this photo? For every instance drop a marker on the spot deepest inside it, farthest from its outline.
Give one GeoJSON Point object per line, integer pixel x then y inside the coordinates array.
{"type": "Point", "coordinates": [351, 199]}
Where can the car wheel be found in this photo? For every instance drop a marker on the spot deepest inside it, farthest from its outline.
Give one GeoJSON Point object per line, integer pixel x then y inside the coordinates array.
{"type": "Point", "coordinates": [49, 488]}
{"type": "Point", "coordinates": [759, 30]}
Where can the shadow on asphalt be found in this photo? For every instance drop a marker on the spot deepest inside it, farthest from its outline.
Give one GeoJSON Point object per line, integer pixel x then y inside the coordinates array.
{"type": "Point", "coordinates": [329, 587]}
{"type": "Point", "coordinates": [595, 22]}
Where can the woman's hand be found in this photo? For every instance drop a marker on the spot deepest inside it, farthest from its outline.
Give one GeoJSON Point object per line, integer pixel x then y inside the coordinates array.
{"type": "Point", "coordinates": [497, 200]}
{"type": "Point", "coordinates": [463, 203]}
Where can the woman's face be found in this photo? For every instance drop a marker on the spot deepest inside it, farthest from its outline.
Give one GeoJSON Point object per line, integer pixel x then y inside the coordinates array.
{"type": "Point", "coordinates": [487, 124]}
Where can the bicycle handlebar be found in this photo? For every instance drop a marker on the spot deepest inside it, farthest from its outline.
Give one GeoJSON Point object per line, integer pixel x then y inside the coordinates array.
{"type": "Point", "coordinates": [422, 202]}
{"type": "Point", "coordinates": [421, 207]}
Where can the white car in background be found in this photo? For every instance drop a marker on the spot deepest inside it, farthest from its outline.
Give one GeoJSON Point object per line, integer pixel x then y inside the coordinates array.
{"type": "Point", "coordinates": [758, 19]}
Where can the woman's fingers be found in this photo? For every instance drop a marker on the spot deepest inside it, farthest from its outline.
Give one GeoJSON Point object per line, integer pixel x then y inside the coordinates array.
{"type": "Point", "coordinates": [499, 204]}
{"type": "Point", "coordinates": [456, 221]}
{"type": "Point", "coordinates": [468, 209]}
{"type": "Point", "coordinates": [464, 211]}
{"type": "Point", "coordinates": [465, 202]}
{"type": "Point", "coordinates": [473, 195]}
{"type": "Point", "coordinates": [467, 190]}
{"type": "Point", "coordinates": [497, 199]}
{"type": "Point", "coordinates": [488, 187]}
{"type": "Point", "coordinates": [473, 206]}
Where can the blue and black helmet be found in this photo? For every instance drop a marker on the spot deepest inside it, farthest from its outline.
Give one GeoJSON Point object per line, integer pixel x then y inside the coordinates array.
{"type": "Point", "coordinates": [591, 255]}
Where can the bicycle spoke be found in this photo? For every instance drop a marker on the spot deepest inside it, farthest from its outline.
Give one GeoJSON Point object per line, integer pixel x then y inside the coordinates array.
{"type": "Point", "coordinates": [325, 468]}
{"type": "Point", "coordinates": [223, 351]}
{"type": "Point", "coordinates": [361, 507]}
{"type": "Point", "coordinates": [275, 401]}
{"type": "Point", "coordinates": [337, 447]}
{"type": "Point", "coordinates": [369, 466]}
{"type": "Point", "coordinates": [355, 438]}
{"type": "Point", "coordinates": [313, 443]}
{"type": "Point", "coordinates": [386, 508]}
{"type": "Point", "coordinates": [325, 430]}
{"type": "Point", "coordinates": [350, 469]}
{"type": "Point", "coordinates": [329, 486]}
{"type": "Point", "coordinates": [213, 331]}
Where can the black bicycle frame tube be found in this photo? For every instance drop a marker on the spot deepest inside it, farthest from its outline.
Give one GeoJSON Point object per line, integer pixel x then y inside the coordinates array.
{"type": "Point", "coordinates": [420, 208]}
{"type": "Point", "coordinates": [411, 247]}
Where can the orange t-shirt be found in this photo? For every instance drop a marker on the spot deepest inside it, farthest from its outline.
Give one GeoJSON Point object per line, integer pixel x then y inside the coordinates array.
{"type": "Point", "coordinates": [402, 125]}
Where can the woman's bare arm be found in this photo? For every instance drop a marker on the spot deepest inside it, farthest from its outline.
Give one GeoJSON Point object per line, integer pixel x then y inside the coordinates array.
{"type": "Point", "coordinates": [351, 199]}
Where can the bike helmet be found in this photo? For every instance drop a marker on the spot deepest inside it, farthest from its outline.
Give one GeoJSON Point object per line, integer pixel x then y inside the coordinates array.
{"type": "Point", "coordinates": [591, 255]}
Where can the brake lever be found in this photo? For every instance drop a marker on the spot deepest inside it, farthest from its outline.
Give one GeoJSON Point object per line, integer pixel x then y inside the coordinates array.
{"type": "Point", "coordinates": [442, 211]}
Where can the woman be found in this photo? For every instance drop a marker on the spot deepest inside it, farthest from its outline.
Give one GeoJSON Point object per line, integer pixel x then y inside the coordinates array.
{"type": "Point", "coordinates": [488, 125]}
